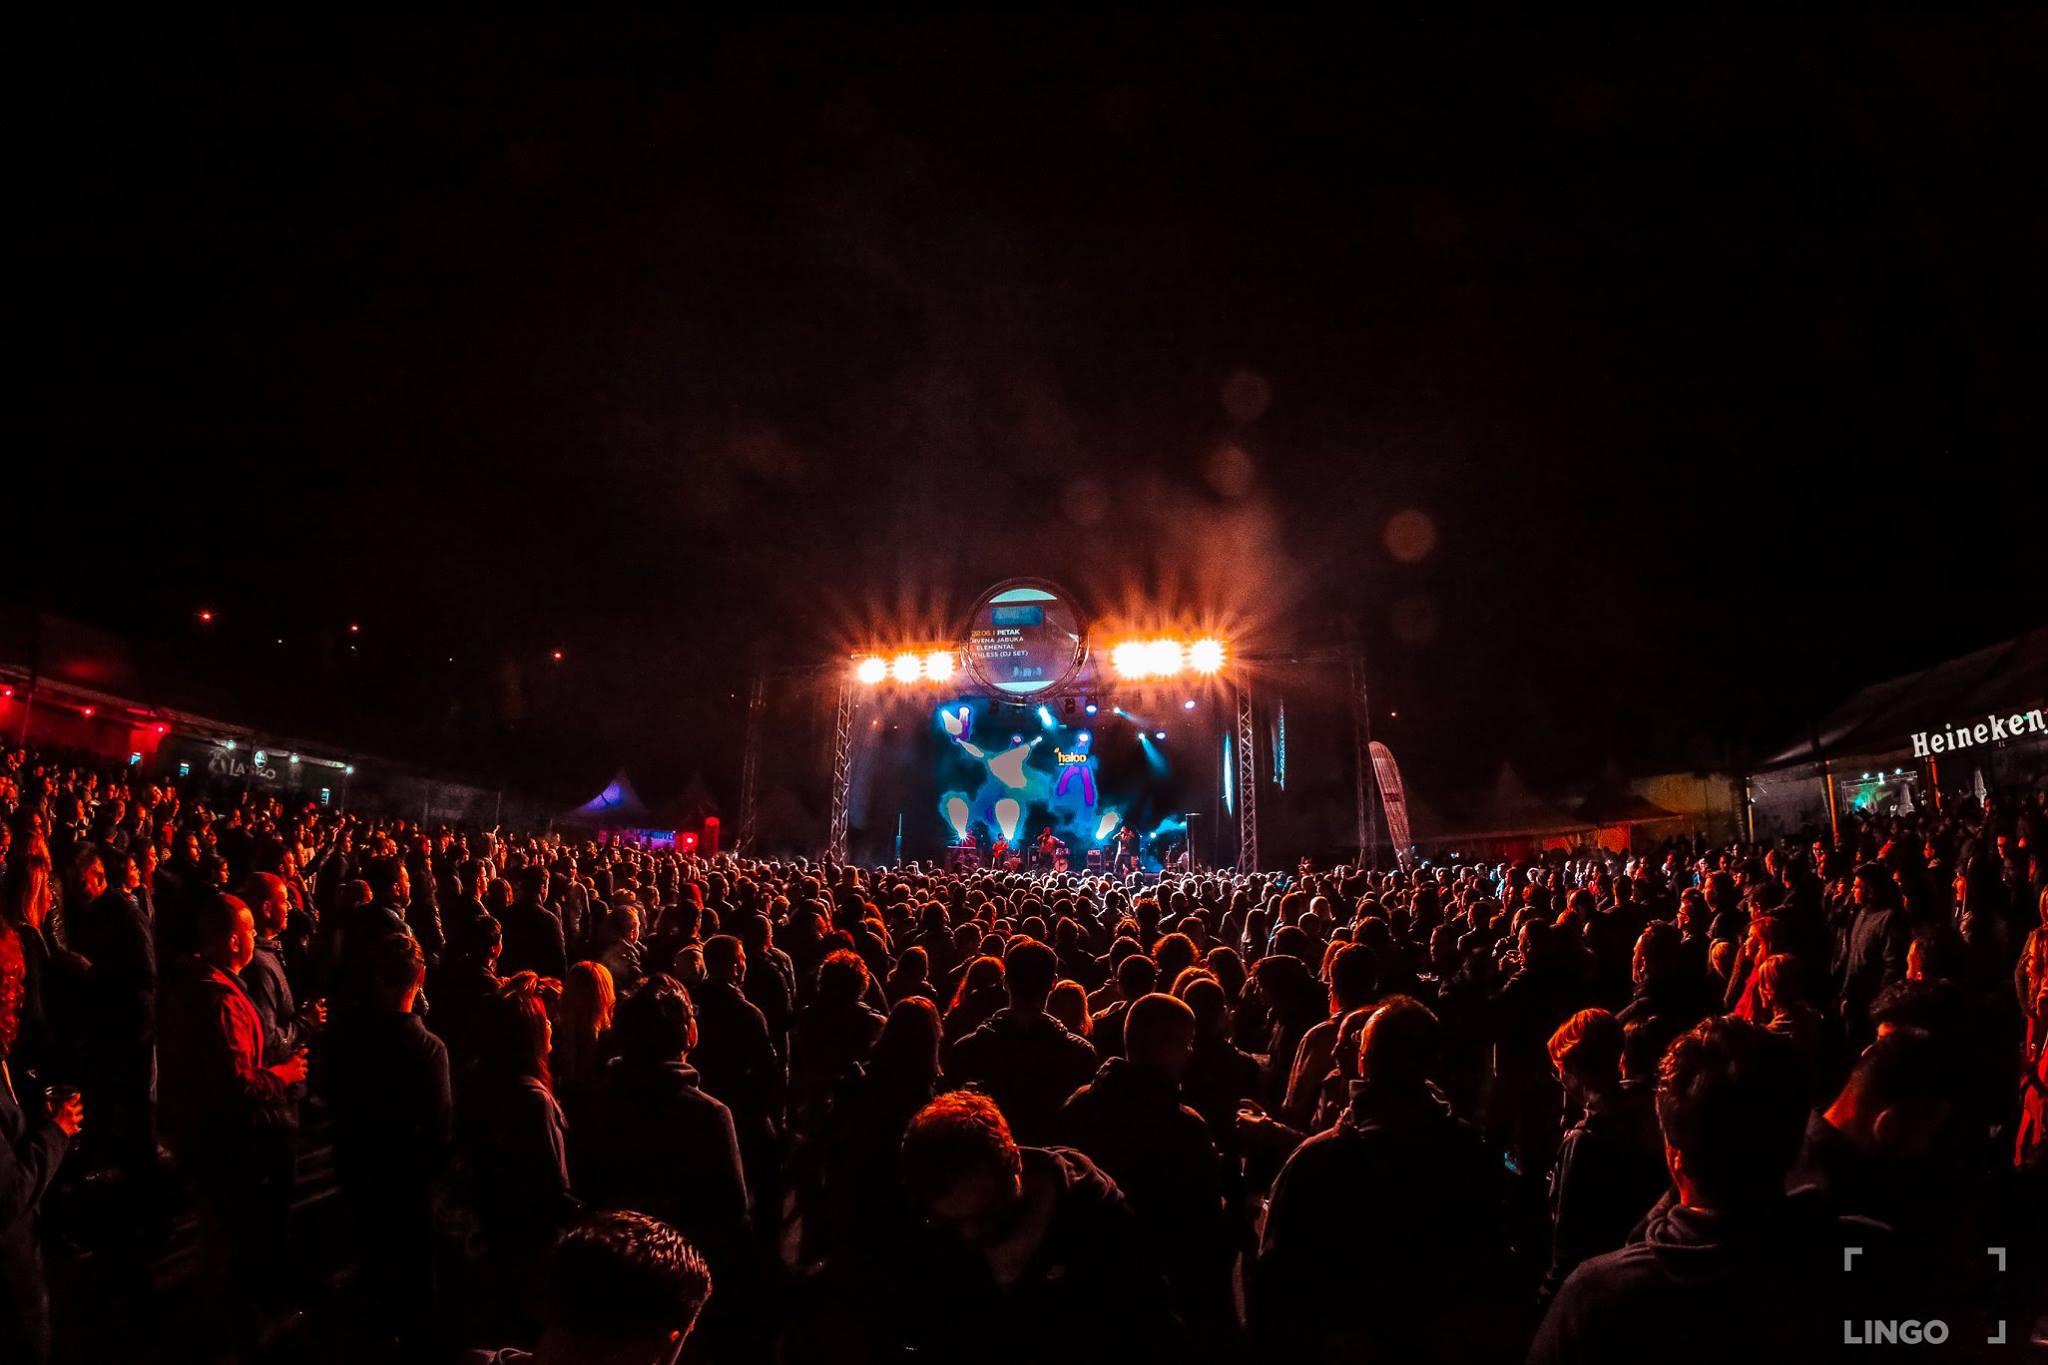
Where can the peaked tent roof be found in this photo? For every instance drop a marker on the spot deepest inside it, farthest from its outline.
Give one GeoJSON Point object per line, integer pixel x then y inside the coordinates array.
{"type": "Point", "coordinates": [1611, 801]}
{"type": "Point", "coordinates": [618, 805]}
{"type": "Point", "coordinates": [1620, 806]}
{"type": "Point", "coordinates": [1883, 716]}
{"type": "Point", "coordinates": [1508, 810]}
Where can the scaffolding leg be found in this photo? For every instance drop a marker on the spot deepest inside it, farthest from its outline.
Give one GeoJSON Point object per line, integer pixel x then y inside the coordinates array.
{"type": "Point", "coordinates": [842, 776]}
{"type": "Point", "coordinates": [1247, 782]}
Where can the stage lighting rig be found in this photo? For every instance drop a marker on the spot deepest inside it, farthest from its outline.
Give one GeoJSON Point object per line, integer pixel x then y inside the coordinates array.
{"type": "Point", "coordinates": [905, 666]}
{"type": "Point", "coordinates": [1135, 660]}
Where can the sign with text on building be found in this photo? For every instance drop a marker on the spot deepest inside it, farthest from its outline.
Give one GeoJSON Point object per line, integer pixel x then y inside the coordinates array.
{"type": "Point", "coordinates": [1993, 729]}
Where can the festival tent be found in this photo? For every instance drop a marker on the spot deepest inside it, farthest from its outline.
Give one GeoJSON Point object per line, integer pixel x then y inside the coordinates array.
{"type": "Point", "coordinates": [1883, 717]}
{"type": "Point", "coordinates": [1507, 817]}
{"type": "Point", "coordinates": [1866, 754]}
{"type": "Point", "coordinates": [618, 806]}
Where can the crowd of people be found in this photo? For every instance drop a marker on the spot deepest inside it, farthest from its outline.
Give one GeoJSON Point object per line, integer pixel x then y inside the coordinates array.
{"type": "Point", "coordinates": [598, 1102]}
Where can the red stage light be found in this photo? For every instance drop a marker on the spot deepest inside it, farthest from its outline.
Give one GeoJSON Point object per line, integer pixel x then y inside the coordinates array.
{"type": "Point", "coordinates": [88, 710]}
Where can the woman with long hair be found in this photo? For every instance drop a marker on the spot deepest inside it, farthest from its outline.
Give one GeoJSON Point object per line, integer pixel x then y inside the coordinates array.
{"type": "Point", "coordinates": [1068, 1003]}
{"type": "Point", "coordinates": [30, 893]}
{"type": "Point", "coordinates": [583, 1042]}
{"type": "Point", "coordinates": [857, 1203]}
{"type": "Point", "coordinates": [980, 994]}
{"type": "Point", "coordinates": [1295, 1003]}
{"type": "Point", "coordinates": [517, 1140]}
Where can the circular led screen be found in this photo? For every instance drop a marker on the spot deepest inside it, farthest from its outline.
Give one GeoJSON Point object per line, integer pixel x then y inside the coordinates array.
{"type": "Point", "coordinates": [1023, 638]}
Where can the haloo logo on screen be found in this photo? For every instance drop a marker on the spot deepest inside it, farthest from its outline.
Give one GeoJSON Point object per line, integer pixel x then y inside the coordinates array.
{"type": "Point", "coordinates": [1023, 637]}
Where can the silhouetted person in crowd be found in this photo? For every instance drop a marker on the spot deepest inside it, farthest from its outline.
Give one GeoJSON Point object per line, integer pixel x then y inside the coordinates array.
{"type": "Point", "coordinates": [1873, 951]}
{"type": "Point", "coordinates": [859, 1212]}
{"type": "Point", "coordinates": [1367, 1217]}
{"type": "Point", "coordinates": [1130, 1121]}
{"type": "Point", "coordinates": [386, 1079]}
{"type": "Point", "coordinates": [735, 1055]}
{"type": "Point", "coordinates": [1671, 992]}
{"type": "Point", "coordinates": [1880, 1149]}
{"type": "Point", "coordinates": [834, 1034]}
{"type": "Point", "coordinates": [623, 1289]}
{"type": "Point", "coordinates": [660, 1145]}
{"type": "Point", "coordinates": [1728, 1267]}
{"type": "Point", "coordinates": [1037, 1240]}
{"type": "Point", "coordinates": [516, 1139]}
{"type": "Point", "coordinates": [1610, 1165]}
{"type": "Point", "coordinates": [110, 930]}
{"type": "Point", "coordinates": [287, 1026]}
{"type": "Point", "coordinates": [533, 933]}
{"type": "Point", "coordinates": [228, 1115]}
{"type": "Point", "coordinates": [1135, 976]}
{"type": "Point", "coordinates": [1023, 1057]}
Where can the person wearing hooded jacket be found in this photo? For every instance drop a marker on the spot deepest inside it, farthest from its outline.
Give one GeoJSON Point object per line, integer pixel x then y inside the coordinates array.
{"type": "Point", "coordinates": [1727, 1265]}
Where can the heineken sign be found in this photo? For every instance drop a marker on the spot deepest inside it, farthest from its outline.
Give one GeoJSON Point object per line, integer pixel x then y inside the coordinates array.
{"type": "Point", "coordinates": [1993, 729]}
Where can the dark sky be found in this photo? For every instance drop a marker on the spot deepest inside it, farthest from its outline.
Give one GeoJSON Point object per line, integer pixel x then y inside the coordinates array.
{"type": "Point", "coordinates": [1710, 348]}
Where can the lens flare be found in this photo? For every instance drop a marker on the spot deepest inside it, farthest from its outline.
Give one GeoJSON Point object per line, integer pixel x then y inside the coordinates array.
{"type": "Point", "coordinates": [938, 665]}
{"type": "Point", "coordinates": [1130, 660]}
{"type": "Point", "coordinates": [906, 668]}
{"type": "Point", "coordinates": [871, 670]}
{"type": "Point", "coordinates": [1206, 656]}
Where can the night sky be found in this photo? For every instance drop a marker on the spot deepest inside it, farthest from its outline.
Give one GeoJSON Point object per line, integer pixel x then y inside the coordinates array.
{"type": "Point", "coordinates": [1710, 349]}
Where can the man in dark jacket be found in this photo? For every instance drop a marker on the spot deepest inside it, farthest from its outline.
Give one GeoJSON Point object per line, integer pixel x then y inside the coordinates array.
{"type": "Point", "coordinates": [1130, 1121]}
{"type": "Point", "coordinates": [1873, 948]}
{"type": "Point", "coordinates": [533, 935]}
{"type": "Point", "coordinates": [1368, 1218]}
{"type": "Point", "coordinates": [1022, 1057]}
{"type": "Point", "coordinates": [770, 980]}
{"type": "Point", "coordinates": [1728, 1267]}
{"type": "Point", "coordinates": [109, 930]}
{"type": "Point", "coordinates": [286, 1027]}
{"type": "Point", "coordinates": [1610, 1165]}
{"type": "Point", "coordinates": [1036, 1256]}
{"type": "Point", "coordinates": [735, 1057]}
{"type": "Point", "coordinates": [659, 1145]}
{"type": "Point", "coordinates": [387, 1086]}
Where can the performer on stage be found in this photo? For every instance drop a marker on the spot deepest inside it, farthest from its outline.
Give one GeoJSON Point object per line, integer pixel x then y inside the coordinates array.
{"type": "Point", "coordinates": [1126, 849]}
{"type": "Point", "coordinates": [1048, 848]}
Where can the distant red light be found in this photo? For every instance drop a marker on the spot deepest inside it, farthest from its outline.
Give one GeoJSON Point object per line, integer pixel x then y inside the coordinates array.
{"type": "Point", "coordinates": [354, 629]}
{"type": "Point", "coordinates": [161, 728]}
{"type": "Point", "coordinates": [558, 656]}
{"type": "Point", "coordinates": [205, 618]}
{"type": "Point", "coordinates": [88, 710]}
